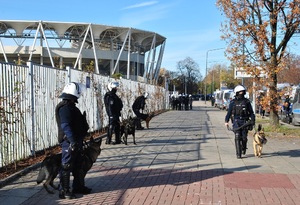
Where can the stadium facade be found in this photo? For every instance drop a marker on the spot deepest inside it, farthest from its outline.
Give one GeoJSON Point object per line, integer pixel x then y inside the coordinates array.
{"type": "Point", "coordinates": [135, 54]}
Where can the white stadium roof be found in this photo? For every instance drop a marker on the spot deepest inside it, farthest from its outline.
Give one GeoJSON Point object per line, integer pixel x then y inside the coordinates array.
{"type": "Point", "coordinates": [55, 37]}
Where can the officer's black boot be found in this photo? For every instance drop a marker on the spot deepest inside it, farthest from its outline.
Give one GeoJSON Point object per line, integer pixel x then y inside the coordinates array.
{"type": "Point", "coordinates": [290, 119]}
{"type": "Point", "coordinates": [109, 135]}
{"type": "Point", "coordinates": [139, 125]}
{"type": "Point", "coordinates": [238, 146]}
{"type": "Point", "coordinates": [238, 149]}
{"type": "Point", "coordinates": [117, 135]}
{"type": "Point", "coordinates": [64, 192]}
{"type": "Point", "coordinates": [79, 184]}
{"type": "Point", "coordinates": [244, 148]}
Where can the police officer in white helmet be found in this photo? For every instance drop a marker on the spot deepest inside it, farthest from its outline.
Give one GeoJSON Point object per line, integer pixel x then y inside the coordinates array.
{"type": "Point", "coordinates": [113, 105]}
{"type": "Point", "coordinates": [240, 112]}
{"type": "Point", "coordinates": [72, 128]}
{"type": "Point", "coordinates": [138, 106]}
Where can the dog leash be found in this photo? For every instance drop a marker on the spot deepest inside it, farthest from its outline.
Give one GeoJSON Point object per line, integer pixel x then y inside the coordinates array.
{"type": "Point", "coordinates": [238, 128]}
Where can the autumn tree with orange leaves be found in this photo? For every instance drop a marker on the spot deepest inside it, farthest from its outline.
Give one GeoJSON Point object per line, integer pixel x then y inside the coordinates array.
{"type": "Point", "coordinates": [291, 74]}
{"type": "Point", "coordinates": [258, 33]}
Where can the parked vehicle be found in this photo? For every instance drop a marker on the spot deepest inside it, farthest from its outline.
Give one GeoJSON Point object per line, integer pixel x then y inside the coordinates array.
{"type": "Point", "coordinates": [295, 107]}
{"type": "Point", "coordinates": [196, 96]}
{"type": "Point", "coordinates": [208, 97]}
{"type": "Point", "coordinates": [218, 99]}
{"type": "Point", "coordinates": [225, 99]}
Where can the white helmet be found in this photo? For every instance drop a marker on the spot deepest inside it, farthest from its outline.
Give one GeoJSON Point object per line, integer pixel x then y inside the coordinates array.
{"type": "Point", "coordinates": [239, 88]}
{"type": "Point", "coordinates": [113, 85]}
{"type": "Point", "coordinates": [71, 91]}
{"type": "Point", "coordinates": [146, 95]}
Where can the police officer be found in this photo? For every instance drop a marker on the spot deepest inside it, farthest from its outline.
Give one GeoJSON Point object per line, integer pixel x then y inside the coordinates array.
{"type": "Point", "coordinates": [260, 100]}
{"type": "Point", "coordinates": [72, 128]}
{"type": "Point", "coordinates": [113, 105]}
{"type": "Point", "coordinates": [173, 101]}
{"type": "Point", "coordinates": [240, 111]}
{"type": "Point", "coordinates": [139, 104]}
{"type": "Point", "coordinates": [190, 102]}
{"type": "Point", "coordinates": [286, 107]}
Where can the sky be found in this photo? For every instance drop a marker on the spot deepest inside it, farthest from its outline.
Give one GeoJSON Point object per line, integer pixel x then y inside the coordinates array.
{"type": "Point", "coordinates": [191, 27]}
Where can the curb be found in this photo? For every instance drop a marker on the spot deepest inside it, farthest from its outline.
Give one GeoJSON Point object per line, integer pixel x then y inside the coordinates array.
{"type": "Point", "coordinates": [18, 174]}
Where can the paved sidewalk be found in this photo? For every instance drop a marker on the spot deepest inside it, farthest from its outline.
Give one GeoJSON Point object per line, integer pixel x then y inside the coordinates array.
{"type": "Point", "coordinates": [186, 157]}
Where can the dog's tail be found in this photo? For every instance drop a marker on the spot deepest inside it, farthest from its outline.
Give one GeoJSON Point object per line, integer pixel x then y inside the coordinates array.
{"type": "Point", "coordinates": [41, 176]}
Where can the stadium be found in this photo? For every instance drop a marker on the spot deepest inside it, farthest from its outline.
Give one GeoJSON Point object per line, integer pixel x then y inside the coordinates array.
{"type": "Point", "coordinates": [135, 54]}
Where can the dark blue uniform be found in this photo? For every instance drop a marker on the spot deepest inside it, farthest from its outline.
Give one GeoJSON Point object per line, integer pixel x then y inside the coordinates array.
{"type": "Point", "coordinates": [72, 128]}
{"type": "Point", "coordinates": [139, 104]}
{"type": "Point", "coordinates": [113, 105]}
{"type": "Point", "coordinates": [240, 112]}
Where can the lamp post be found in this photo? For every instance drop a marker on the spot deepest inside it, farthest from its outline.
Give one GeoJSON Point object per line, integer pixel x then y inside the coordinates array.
{"type": "Point", "coordinates": [205, 86]}
{"type": "Point", "coordinates": [212, 82]}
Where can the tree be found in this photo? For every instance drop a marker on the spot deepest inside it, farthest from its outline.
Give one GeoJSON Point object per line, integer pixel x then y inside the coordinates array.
{"type": "Point", "coordinates": [189, 75]}
{"type": "Point", "coordinates": [291, 74]}
{"type": "Point", "coordinates": [258, 33]}
{"type": "Point", "coordinates": [220, 75]}
{"type": "Point", "coordinates": [163, 76]}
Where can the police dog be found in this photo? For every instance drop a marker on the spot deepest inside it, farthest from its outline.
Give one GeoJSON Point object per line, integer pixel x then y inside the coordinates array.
{"type": "Point", "coordinates": [259, 139]}
{"type": "Point", "coordinates": [150, 116]}
{"type": "Point", "coordinates": [128, 128]}
{"type": "Point", "coordinates": [50, 166]}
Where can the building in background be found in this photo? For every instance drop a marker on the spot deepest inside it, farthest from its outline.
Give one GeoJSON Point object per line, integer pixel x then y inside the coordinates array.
{"type": "Point", "coordinates": [135, 54]}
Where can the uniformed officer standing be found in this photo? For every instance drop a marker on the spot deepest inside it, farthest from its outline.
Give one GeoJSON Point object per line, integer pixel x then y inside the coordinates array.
{"type": "Point", "coordinates": [72, 128]}
{"type": "Point", "coordinates": [113, 105]}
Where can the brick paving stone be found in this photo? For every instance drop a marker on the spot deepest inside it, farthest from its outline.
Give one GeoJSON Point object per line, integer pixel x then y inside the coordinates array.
{"type": "Point", "coordinates": [271, 196]}
{"type": "Point", "coordinates": [180, 194]}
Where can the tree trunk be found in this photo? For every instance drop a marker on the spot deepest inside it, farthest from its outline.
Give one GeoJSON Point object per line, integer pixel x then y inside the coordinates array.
{"type": "Point", "coordinates": [274, 118]}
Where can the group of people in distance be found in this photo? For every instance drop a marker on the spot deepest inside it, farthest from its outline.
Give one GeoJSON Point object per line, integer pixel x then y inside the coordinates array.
{"type": "Point", "coordinates": [73, 127]}
{"type": "Point", "coordinates": [181, 102]}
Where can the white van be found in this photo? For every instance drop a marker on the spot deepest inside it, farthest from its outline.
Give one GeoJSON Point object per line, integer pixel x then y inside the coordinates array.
{"type": "Point", "coordinates": [218, 99]}
{"type": "Point", "coordinates": [295, 105]}
{"type": "Point", "coordinates": [226, 96]}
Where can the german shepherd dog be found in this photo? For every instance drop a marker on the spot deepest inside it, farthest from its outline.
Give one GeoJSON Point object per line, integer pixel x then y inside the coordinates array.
{"type": "Point", "coordinates": [128, 128]}
{"type": "Point", "coordinates": [150, 116]}
{"type": "Point", "coordinates": [50, 166]}
{"type": "Point", "coordinates": [259, 139]}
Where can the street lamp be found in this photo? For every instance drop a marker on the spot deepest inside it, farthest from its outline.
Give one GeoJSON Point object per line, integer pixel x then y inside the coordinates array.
{"type": "Point", "coordinates": [206, 70]}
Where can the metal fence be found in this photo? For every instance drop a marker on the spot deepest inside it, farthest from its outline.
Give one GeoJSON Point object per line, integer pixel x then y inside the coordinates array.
{"type": "Point", "coordinates": [29, 94]}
